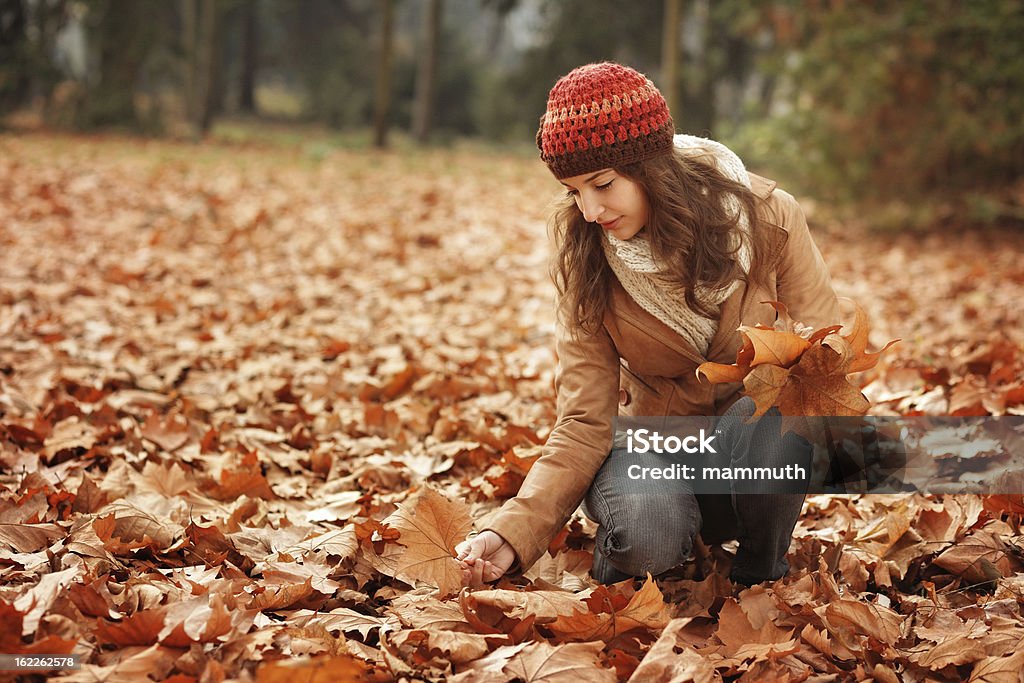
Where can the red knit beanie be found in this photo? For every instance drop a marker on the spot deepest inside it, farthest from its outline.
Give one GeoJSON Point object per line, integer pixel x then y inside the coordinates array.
{"type": "Point", "coordinates": [603, 116]}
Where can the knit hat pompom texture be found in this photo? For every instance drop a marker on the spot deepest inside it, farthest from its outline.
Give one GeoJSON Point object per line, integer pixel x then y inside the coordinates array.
{"type": "Point", "coordinates": [602, 116]}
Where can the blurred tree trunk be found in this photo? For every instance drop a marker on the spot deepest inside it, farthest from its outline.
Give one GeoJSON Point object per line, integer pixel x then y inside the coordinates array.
{"type": "Point", "coordinates": [670, 55]}
{"type": "Point", "coordinates": [382, 104]}
{"type": "Point", "coordinates": [217, 64]}
{"type": "Point", "coordinates": [15, 71]}
{"type": "Point", "coordinates": [426, 76]}
{"type": "Point", "coordinates": [50, 18]}
{"type": "Point", "coordinates": [123, 36]}
{"type": "Point", "coordinates": [250, 58]}
{"type": "Point", "coordinates": [200, 29]}
{"type": "Point", "coordinates": [698, 100]}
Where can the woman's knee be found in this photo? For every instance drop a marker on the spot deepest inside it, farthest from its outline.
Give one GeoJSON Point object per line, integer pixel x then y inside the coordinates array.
{"type": "Point", "coordinates": [649, 536]}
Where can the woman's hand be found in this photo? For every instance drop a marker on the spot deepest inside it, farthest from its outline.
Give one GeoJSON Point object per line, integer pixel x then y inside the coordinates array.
{"type": "Point", "coordinates": [483, 558]}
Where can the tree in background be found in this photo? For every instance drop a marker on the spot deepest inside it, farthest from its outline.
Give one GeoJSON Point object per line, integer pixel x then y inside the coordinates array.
{"type": "Point", "coordinates": [28, 65]}
{"type": "Point", "coordinates": [382, 100]}
{"type": "Point", "coordinates": [203, 47]}
{"type": "Point", "coordinates": [327, 48]}
{"type": "Point", "coordinates": [567, 33]}
{"type": "Point", "coordinates": [123, 36]}
{"type": "Point", "coordinates": [899, 100]}
{"type": "Point", "coordinates": [15, 71]}
{"type": "Point", "coordinates": [426, 75]}
{"type": "Point", "coordinates": [250, 56]}
{"type": "Point", "coordinates": [670, 54]}
{"type": "Point", "coordinates": [863, 100]}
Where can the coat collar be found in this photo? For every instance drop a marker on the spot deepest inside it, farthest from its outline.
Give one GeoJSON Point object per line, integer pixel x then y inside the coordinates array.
{"type": "Point", "coordinates": [733, 310]}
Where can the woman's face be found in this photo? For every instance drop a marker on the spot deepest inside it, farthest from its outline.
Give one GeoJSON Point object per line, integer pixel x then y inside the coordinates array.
{"type": "Point", "coordinates": [611, 200]}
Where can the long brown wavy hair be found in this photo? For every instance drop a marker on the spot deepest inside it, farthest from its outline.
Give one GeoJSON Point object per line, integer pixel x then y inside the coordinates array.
{"type": "Point", "coordinates": [689, 229]}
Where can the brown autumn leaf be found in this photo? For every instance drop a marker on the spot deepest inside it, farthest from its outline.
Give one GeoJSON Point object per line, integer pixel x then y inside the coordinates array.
{"type": "Point", "coordinates": [141, 628]}
{"type": "Point", "coordinates": [646, 609]}
{"type": "Point", "coordinates": [998, 669]}
{"type": "Point", "coordinates": [850, 619]}
{"type": "Point", "coordinates": [569, 663]}
{"type": "Point", "coordinates": [28, 538]}
{"type": "Point", "coordinates": [323, 669]}
{"type": "Point", "coordinates": [430, 525]}
{"type": "Point", "coordinates": [168, 479]}
{"type": "Point", "coordinates": [202, 619]}
{"type": "Point", "coordinates": [345, 620]}
{"type": "Point", "coordinates": [126, 527]}
{"type": "Point", "coordinates": [70, 434]}
{"type": "Point", "coordinates": [427, 612]}
{"type": "Point", "coordinates": [543, 605]}
{"type": "Point", "coordinates": [169, 432]}
{"type": "Point", "coordinates": [93, 599]}
{"type": "Point", "coordinates": [281, 596]}
{"type": "Point", "coordinates": [673, 660]}
{"type": "Point", "coordinates": [740, 639]}
{"type": "Point", "coordinates": [243, 478]}
{"type": "Point", "coordinates": [12, 630]}
{"type": "Point", "coordinates": [772, 346]}
{"type": "Point", "coordinates": [953, 651]}
{"type": "Point", "coordinates": [818, 386]}
{"type": "Point", "coordinates": [978, 558]}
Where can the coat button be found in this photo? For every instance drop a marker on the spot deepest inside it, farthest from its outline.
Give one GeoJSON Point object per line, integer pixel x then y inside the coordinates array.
{"type": "Point", "coordinates": [624, 397]}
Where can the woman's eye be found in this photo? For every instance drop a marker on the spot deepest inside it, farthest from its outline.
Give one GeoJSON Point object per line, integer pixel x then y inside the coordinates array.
{"type": "Point", "coordinates": [571, 193]}
{"type": "Point", "coordinates": [605, 186]}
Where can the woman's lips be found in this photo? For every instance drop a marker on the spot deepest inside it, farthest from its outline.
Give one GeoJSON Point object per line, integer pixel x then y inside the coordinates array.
{"type": "Point", "coordinates": [612, 224]}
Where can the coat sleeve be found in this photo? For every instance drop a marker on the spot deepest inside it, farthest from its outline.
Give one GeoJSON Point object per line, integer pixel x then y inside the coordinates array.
{"type": "Point", "coordinates": [586, 383]}
{"type": "Point", "coordinates": [803, 280]}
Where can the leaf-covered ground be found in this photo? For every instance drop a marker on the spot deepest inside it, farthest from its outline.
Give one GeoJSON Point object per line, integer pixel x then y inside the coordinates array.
{"type": "Point", "coordinates": [251, 395]}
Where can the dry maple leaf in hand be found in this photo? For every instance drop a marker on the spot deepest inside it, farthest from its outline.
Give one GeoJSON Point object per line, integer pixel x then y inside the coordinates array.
{"type": "Point", "coordinates": [429, 525]}
{"type": "Point", "coordinates": [778, 367]}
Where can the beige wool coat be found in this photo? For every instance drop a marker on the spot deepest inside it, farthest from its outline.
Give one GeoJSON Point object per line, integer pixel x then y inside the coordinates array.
{"type": "Point", "coordinates": [637, 365]}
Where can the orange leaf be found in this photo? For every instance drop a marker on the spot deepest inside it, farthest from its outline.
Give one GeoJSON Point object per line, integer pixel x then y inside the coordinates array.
{"type": "Point", "coordinates": [673, 658]}
{"type": "Point", "coordinates": [170, 433]}
{"type": "Point", "coordinates": [430, 525]}
{"type": "Point", "coordinates": [764, 384]}
{"type": "Point", "coordinates": [141, 628]}
{"type": "Point", "coordinates": [645, 610]}
{"type": "Point", "coordinates": [858, 339]}
{"type": "Point", "coordinates": [818, 386]}
{"type": "Point", "coordinates": [774, 347]}
{"type": "Point", "coordinates": [326, 669]}
{"type": "Point", "coordinates": [720, 372]}
{"type": "Point", "coordinates": [558, 664]}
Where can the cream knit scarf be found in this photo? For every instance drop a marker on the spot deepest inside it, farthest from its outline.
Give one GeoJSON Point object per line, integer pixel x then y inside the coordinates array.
{"type": "Point", "coordinates": [633, 264]}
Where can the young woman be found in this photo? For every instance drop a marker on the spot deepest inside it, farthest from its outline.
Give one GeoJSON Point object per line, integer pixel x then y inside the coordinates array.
{"type": "Point", "coordinates": [666, 245]}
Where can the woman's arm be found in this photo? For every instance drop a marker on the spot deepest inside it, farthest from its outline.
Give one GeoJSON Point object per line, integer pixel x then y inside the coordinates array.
{"type": "Point", "coordinates": [803, 283]}
{"type": "Point", "coordinates": [587, 387]}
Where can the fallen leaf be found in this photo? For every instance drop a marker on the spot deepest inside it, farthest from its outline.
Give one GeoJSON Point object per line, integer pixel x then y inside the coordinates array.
{"type": "Point", "coordinates": [646, 609]}
{"type": "Point", "coordinates": [570, 663]}
{"type": "Point", "coordinates": [430, 525]}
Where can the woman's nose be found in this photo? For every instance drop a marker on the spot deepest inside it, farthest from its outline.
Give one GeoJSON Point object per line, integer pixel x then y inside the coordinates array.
{"type": "Point", "coordinates": [591, 208]}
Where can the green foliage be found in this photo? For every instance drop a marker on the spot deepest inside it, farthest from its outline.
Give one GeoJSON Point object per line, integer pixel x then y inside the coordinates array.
{"type": "Point", "coordinates": [327, 45]}
{"type": "Point", "coordinates": [898, 100]}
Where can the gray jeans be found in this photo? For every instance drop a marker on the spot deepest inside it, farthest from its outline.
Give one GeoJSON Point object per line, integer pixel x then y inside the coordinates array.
{"type": "Point", "coordinates": [650, 525]}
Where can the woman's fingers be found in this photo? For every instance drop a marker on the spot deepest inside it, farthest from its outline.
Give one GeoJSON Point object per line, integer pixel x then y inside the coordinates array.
{"type": "Point", "coordinates": [475, 560]}
{"type": "Point", "coordinates": [476, 572]}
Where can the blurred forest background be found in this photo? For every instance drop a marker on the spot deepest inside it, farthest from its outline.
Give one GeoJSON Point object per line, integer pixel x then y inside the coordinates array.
{"type": "Point", "coordinates": [916, 107]}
